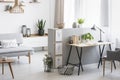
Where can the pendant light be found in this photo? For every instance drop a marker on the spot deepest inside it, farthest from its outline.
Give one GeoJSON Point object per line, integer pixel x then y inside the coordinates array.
{"type": "Point", "coordinates": [17, 8]}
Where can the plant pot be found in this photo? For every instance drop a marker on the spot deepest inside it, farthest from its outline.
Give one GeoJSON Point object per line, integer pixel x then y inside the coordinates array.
{"type": "Point", "coordinates": [79, 25]}
{"type": "Point", "coordinates": [41, 32]}
{"type": "Point", "coordinates": [48, 69]}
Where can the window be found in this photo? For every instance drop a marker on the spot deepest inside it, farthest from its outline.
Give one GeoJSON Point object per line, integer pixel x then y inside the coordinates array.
{"type": "Point", "coordinates": [69, 11]}
{"type": "Point", "coordinates": [90, 10]}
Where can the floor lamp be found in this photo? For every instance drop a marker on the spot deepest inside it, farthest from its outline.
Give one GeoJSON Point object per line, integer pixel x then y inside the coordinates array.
{"type": "Point", "coordinates": [101, 31]}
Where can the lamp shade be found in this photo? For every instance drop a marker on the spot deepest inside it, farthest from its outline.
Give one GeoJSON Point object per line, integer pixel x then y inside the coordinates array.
{"type": "Point", "coordinates": [94, 28]}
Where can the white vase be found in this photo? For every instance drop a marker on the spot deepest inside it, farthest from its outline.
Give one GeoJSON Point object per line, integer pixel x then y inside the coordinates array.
{"type": "Point", "coordinates": [79, 25]}
{"type": "Point", "coordinates": [74, 25]}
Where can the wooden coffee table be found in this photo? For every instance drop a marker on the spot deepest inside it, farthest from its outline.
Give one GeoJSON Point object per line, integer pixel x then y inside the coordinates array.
{"type": "Point", "coordinates": [9, 61]}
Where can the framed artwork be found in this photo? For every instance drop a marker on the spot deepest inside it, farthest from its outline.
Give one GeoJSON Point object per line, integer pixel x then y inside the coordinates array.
{"type": "Point", "coordinates": [58, 61]}
{"type": "Point", "coordinates": [58, 48]}
{"type": "Point", "coordinates": [59, 35]}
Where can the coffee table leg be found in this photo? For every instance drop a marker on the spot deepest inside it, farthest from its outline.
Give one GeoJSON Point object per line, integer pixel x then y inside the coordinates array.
{"type": "Point", "coordinates": [11, 69]}
{"type": "Point", "coordinates": [2, 68]}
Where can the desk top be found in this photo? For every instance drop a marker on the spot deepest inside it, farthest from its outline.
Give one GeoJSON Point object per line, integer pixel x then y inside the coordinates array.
{"type": "Point", "coordinates": [6, 61]}
{"type": "Point", "coordinates": [90, 44]}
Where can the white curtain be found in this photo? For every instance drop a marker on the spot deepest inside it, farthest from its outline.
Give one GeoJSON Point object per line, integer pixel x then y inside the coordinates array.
{"type": "Point", "coordinates": [59, 13]}
{"type": "Point", "coordinates": [69, 13]}
{"type": "Point", "coordinates": [115, 22]}
{"type": "Point", "coordinates": [89, 10]}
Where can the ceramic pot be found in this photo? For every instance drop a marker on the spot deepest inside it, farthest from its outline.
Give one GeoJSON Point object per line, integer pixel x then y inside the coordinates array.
{"type": "Point", "coordinates": [41, 32]}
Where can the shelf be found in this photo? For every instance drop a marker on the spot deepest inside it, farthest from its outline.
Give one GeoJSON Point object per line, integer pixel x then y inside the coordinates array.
{"type": "Point", "coordinates": [58, 55]}
{"type": "Point", "coordinates": [14, 1]}
{"type": "Point", "coordinates": [34, 2]}
{"type": "Point", "coordinates": [6, 1]}
{"type": "Point", "coordinates": [37, 35]}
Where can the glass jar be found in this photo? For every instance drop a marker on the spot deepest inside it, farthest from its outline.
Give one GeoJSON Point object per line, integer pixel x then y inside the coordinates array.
{"type": "Point", "coordinates": [24, 28]}
{"type": "Point", "coordinates": [28, 31]}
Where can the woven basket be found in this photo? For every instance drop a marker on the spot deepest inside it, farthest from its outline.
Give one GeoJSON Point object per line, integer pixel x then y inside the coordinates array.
{"type": "Point", "coordinates": [66, 70]}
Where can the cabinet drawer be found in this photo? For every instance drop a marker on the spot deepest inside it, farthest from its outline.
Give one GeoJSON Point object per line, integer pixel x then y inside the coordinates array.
{"type": "Point", "coordinates": [36, 41]}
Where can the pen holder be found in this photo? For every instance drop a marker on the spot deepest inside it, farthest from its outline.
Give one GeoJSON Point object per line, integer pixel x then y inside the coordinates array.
{"type": "Point", "coordinates": [75, 39]}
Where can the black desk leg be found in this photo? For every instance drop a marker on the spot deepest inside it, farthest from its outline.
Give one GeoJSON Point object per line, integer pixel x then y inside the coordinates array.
{"type": "Point", "coordinates": [113, 61]}
{"type": "Point", "coordinates": [110, 47]}
{"type": "Point", "coordinates": [79, 57]}
{"type": "Point", "coordinates": [101, 53]}
{"type": "Point", "coordinates": [69, 55]}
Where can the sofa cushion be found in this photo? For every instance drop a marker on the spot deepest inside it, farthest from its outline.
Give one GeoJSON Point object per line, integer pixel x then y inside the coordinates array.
{"type": "Point", "coordinates": [8, 36]}
{"type": "Point", "coordinates": [16, 50]}
{"type": "Point", "coordinates": [9, 43]}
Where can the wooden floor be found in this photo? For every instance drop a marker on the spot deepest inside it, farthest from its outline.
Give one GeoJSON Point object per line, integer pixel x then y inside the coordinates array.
{"type": "Point", "coordinates": [35, 71]}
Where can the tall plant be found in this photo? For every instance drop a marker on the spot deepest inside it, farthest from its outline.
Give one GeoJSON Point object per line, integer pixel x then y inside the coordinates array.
{"type": "Point", "coordinates": [41, 24]}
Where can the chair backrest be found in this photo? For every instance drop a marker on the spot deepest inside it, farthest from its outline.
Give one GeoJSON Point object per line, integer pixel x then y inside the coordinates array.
{"type": "Point", "coordinates": [17, 36]}
{"type": "Point", "coordinates": [113, 55]}
{"type": "Point", "coordinates": [117, 42]}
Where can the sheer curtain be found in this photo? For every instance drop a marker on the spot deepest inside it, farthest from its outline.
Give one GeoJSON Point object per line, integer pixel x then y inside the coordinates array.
{"type": "Point", "coordinates": [91, 12]}
{"type": "Point", "coordinates": [64, 13]}
{"type": "Point", "coordinates": [59, 13]}
{"type": "Point", "coordinates": [69, 13]}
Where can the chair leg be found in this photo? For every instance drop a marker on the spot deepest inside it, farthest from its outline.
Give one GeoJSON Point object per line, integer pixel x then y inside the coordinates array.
{"type": "Point", "coordinates": [18, 57]}
{"type": "Point", "coordinates": [29, 57]}
{"type": "Point", "coordinates": [111, 65]}
{"type": "Point", "coordinates": [114, 64]}
{"type": "Point", "coordinates": [103, 67]}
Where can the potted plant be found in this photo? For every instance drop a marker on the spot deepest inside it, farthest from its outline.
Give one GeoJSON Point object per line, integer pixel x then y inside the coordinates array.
{"type": "Point", "coordinates": [87, 36]}
{"type": "Point", "coordinates": [80, 21]}
{"type": "Point", "coordinates": [41, 24]}
{"type": "Point", "coordinates": [48, 62]}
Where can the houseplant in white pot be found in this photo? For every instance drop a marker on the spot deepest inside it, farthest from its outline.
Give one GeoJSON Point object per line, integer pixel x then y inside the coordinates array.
{"type": "Point", "coordinates": [80, 22]}
{"type": "Point", "coordinates": [87, 37]}
{"type": "Point", "coordinates": [48, 63]}
{"type": "Point", "coordinates": [41, 24]}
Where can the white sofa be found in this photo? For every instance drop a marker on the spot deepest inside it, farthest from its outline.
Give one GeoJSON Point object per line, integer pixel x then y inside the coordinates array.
{"type": "Point", "coordinates": [19, 50]}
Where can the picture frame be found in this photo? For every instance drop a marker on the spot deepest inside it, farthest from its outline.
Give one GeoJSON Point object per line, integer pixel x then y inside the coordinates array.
{"type": "Point", "coordinates": [58, 48]}
{"type": "Point", "coordinates": [58, 61]}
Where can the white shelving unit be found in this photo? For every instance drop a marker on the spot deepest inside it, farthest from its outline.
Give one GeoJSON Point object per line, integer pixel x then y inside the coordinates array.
{"type": "Point", "coordinates": [55, 46]}
{"type": "Point", "coordinates": [36, 41]}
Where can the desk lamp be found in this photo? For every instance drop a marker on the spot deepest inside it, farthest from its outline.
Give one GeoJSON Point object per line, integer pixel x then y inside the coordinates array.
{"type": "Point", "coordinates": [101, 31]}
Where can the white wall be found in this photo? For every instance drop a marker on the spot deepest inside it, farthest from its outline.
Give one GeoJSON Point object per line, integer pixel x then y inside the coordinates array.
{"type": "Point", "coordinates": [115, 20]}
{"type": "Point", "coordinates": [32, 12]}
{"type": "Point", "coordinates": [115, 16]}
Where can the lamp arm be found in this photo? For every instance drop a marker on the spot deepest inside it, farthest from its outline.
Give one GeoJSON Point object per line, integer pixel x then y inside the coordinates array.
{"type": "Point", "coordinates": [100, 29]}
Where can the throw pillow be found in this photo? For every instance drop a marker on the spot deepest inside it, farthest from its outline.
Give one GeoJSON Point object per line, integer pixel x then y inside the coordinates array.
{"type": "Point", "coordinates": [9, 43]}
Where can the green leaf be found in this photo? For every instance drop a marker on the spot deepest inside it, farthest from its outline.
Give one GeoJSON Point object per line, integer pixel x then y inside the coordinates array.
{"type": "Point", "coordinates": [41, 24]}
{"type": "Point", "coordinates": [87, 36]}
{"type": "Point", "coordinates": [80, 21]}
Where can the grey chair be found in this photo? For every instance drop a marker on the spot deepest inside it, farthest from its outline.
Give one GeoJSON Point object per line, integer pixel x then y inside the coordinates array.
{"type": "Point", "coordinates": [111, 56]}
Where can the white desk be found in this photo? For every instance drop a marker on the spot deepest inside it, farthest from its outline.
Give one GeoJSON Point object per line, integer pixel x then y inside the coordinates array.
{"type": "Point", "coordinates": [82, 45]}
{"type": "Point", "coordinates": [91, 44]}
